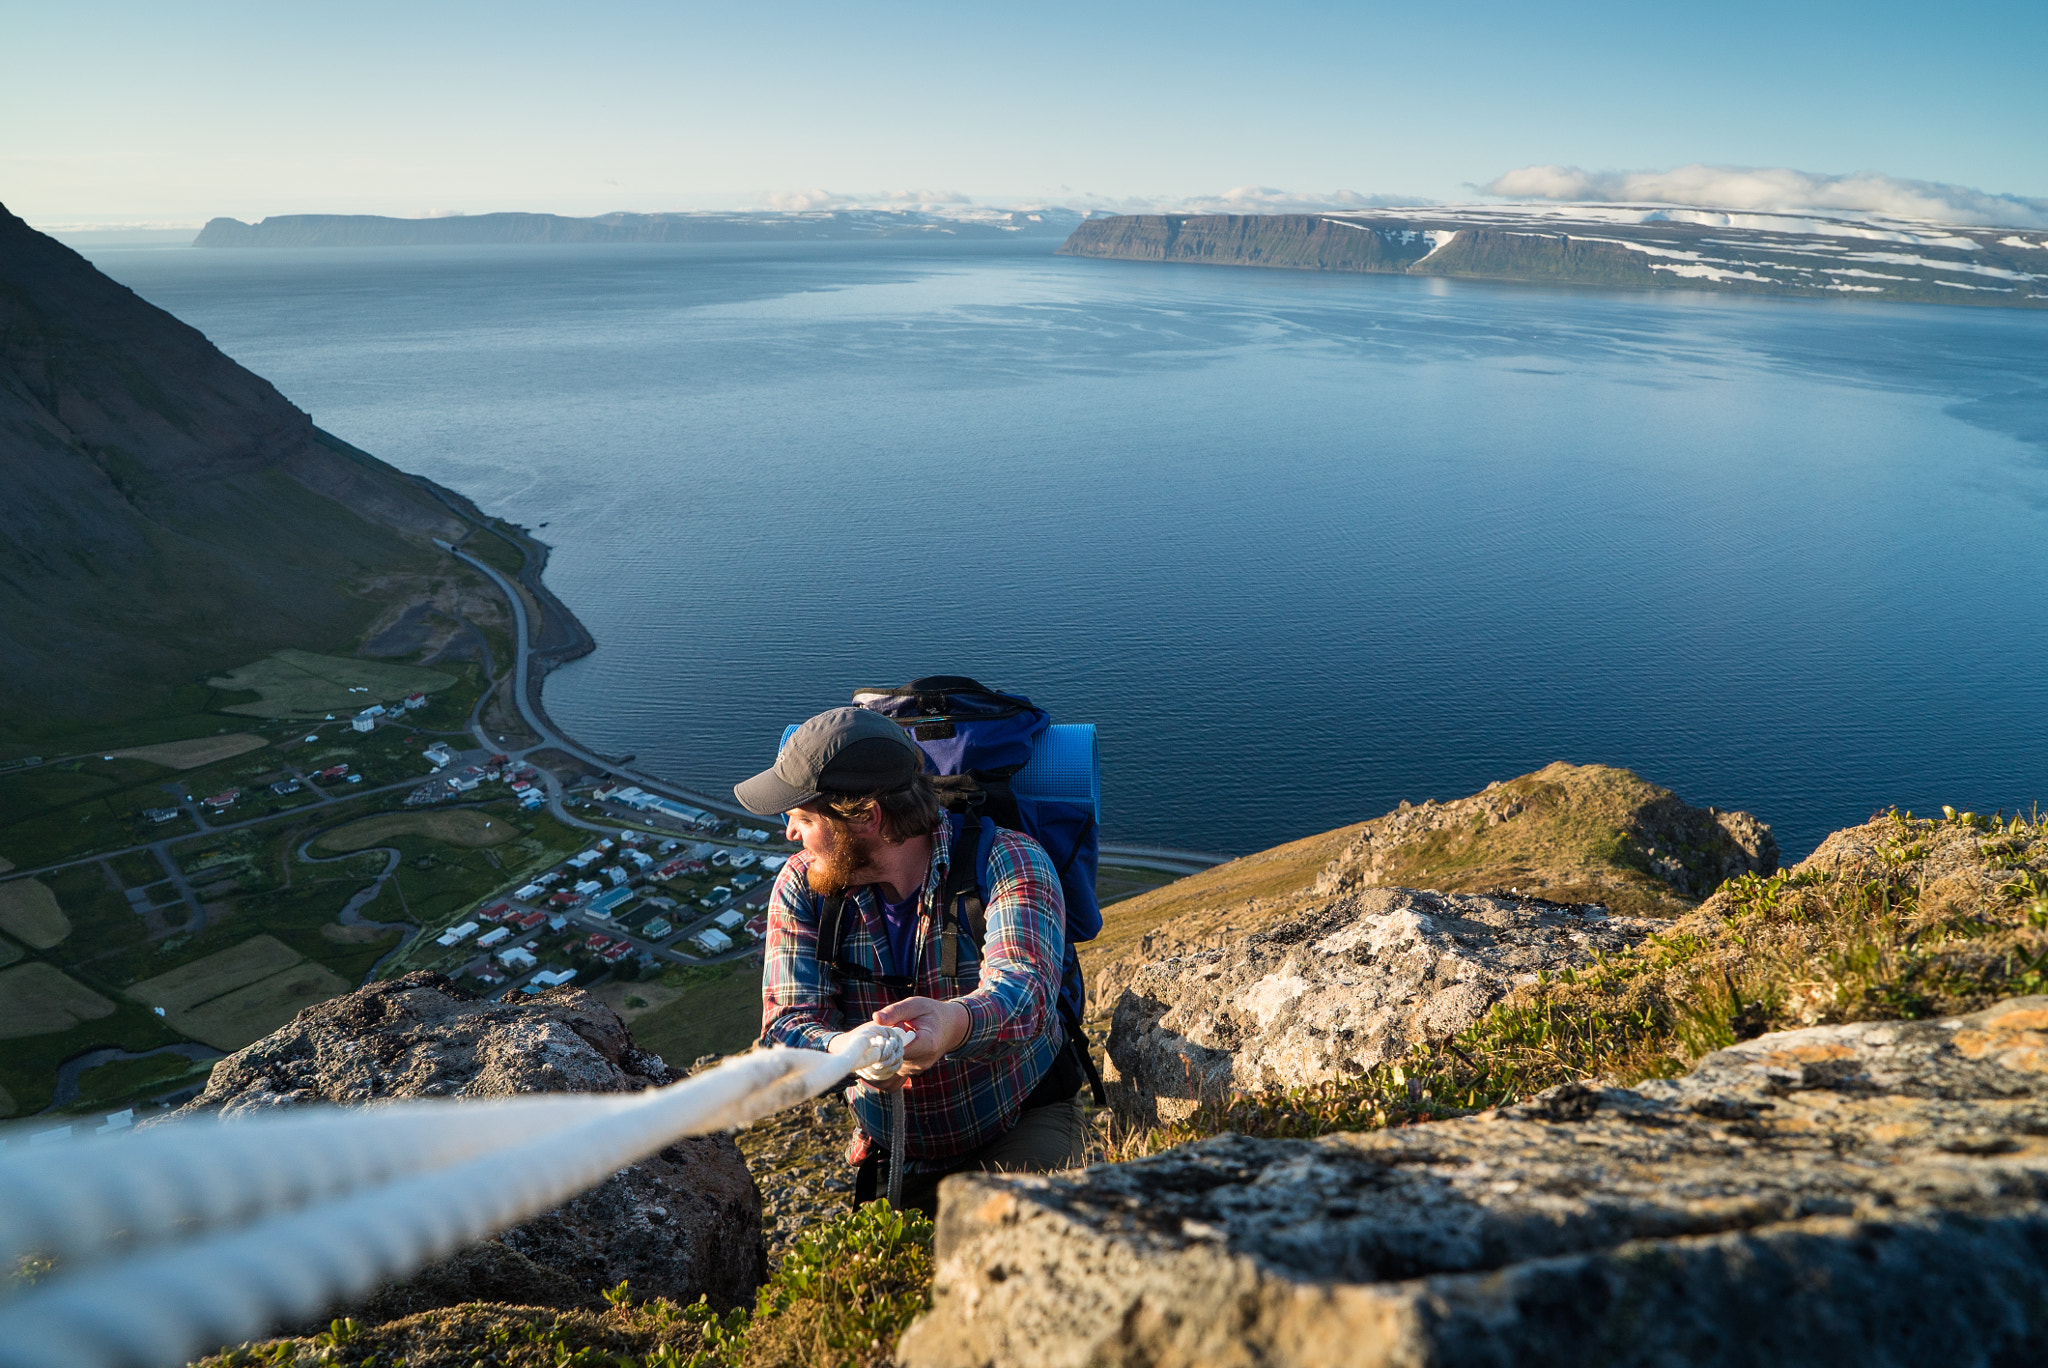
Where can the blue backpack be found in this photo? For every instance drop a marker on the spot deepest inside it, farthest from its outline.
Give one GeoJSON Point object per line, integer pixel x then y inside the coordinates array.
{"type": "Point", "coordinates": [999, 762]}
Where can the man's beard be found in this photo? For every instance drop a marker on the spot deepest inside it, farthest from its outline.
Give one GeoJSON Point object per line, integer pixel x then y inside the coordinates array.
{"type": "Point", "coordinates": [834, 872]}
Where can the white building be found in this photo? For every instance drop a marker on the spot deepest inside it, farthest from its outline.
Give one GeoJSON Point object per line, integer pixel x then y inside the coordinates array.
{"type": "Point", "coordinates": [496, 937]}
{"type": "Point", "coordinates": [712, 941]}
{"type": "Point", "coordinates": [455, 935]}
{"type": "Point", "coordinates": [726, 921]}
{"type": "Point", "coordinates": [364, 724]}
{"type": "Point", "coordinates": [617, 874]}
{"type": "Point", "coordinates": [518, 957]}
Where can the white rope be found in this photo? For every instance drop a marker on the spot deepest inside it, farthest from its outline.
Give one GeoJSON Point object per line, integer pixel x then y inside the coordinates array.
{"type": "Point", "coordinates": [198, 1233]}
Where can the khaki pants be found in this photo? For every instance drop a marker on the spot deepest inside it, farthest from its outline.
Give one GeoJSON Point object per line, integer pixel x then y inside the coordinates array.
{"type": "Point", "coordinates": [1044, 1140]}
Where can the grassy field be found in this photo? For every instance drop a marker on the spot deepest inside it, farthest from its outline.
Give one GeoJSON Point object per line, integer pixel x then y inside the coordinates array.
{"type": "Point", "coordinates": [302, 684]}
{"type": "Point", "coordinates": [101, 1087]}
{"type": "Point", "coordinates": [28, 1064]}
{"type": "Point", "coordinates": [458, 827]}
{"type": "Point", "coordinates": [240, 994]}
{"type": "Point", "coordinates": [29, 912]}
{"type": "Point", "coordinates": [716, 1010]}
{"type": "Point", "coordinates": [40, 999]}
{"type": "Point", "coordinates": [199, 750]}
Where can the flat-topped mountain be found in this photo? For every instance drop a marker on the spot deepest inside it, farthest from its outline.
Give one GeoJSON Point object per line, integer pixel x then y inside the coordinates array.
{"type": "Point", "coordinates": [467, 230]}
{"type": "Point", "coordinates": [168, 512]}
{"type": "Point", "coordinates": [1617, 246]}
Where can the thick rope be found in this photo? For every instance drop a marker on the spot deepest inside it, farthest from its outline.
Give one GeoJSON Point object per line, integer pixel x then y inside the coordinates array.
{"type": "Point", "coordinates": [197, 1233]}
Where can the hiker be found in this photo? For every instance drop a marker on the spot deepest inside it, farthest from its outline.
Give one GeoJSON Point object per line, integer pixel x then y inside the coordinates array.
{"type": "Point", "coordinates": [989, 1083]}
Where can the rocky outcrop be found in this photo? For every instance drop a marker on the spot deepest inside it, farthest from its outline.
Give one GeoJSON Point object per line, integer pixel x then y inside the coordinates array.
{"type": "Point", "coordinates": [682, 1222]}
{"type": "Point", "coordinates": [1323, 998]}
{"type": "Point", "coordinates": [1870, 1194]}
{"type": "Point", "coordinates": [1581, 832]}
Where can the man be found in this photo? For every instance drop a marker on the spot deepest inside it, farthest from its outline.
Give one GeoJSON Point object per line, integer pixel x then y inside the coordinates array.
{"type": "Point", "coordinates": [988, 1084]}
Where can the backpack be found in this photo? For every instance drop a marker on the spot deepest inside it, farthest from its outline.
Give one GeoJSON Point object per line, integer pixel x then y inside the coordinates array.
{"type": "Point", "coordinates": [980, 742]}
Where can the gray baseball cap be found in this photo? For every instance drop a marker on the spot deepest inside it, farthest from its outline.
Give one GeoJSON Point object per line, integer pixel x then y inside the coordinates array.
{"type": "Point", "coordinates": [847, 751]}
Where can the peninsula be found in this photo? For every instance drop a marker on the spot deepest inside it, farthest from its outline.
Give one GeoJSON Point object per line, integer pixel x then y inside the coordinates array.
{"type": "Point", "coordinates": [1634, 247]}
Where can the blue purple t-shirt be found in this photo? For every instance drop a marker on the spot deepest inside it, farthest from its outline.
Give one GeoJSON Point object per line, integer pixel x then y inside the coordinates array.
{"type": "Point", "coordinates": [899, 923]}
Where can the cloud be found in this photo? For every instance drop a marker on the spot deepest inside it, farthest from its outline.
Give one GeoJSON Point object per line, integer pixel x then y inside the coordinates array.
{"type": "Point", "coordinates": [1253, 199]}
{"type": "Point", "coordinates": [1776, 189]}
{"type": "Point", "coordinates": [923, 201]}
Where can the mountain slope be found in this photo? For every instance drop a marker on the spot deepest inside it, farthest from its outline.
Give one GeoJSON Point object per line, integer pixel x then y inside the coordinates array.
{"type": "Point", "coordinates": [168, 513]}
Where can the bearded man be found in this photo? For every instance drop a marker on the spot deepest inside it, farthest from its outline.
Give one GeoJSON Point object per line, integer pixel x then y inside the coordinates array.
{"type": "Point", "coordinates": [989, 1086]}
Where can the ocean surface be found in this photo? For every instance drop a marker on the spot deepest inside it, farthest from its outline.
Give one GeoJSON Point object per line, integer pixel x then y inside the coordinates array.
{"type": "Point", "coordinates": [1302, 546]}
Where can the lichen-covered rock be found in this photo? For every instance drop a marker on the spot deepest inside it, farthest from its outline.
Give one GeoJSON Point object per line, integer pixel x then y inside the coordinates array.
{"type": "Point", "coordinates": [679, 1223]}
{"type": "Point", "coordinates": [1869, 1195]}
{"type": "Point", "coordinates": [1347, 985]}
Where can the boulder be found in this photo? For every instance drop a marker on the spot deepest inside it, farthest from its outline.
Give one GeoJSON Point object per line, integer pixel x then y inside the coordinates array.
{"type": "Point", "coordinates": [682, 1222]}
{"type": "Point", "coordinates": [1872, 1194]}
{"type": "Point", "coordinates": [1351, 983]}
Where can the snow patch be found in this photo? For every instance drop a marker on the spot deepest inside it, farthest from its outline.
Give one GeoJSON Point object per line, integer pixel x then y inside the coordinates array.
{"type": "Point", "coordinates": [1865, 289]}
{"type": "Point", "coordinates": [1992, 289]}
{"type": "Point", "coordinates": [2022, 242]}
{"type": "Point", "coordinates": [1712, 273]}
{"type": "Point", "coordinates": [1439, 238]}
{"type": "Point", "coordinates": [1902, 259]}
{"type": "Point", "coordinates": [1859, 271]}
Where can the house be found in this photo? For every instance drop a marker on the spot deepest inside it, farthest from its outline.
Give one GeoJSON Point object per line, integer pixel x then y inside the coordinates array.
{"type": "Point", "coordinates": [720, 858]}
{"type": "Point", "coordinates": [549, 978]}
{"type": "Point", "coordinates": [374, 710]}
{"type": "Point", "coordinates": [617, 874]}
{"type": "Point", "coordinates": [437, 754]}
{"type": "Point", "coordinates": [771, 863]}
{"type": "Point", "coordinates": [718, 896]}
{"type": "Point", "coordinates": [657, 929]}
{"type": "Point", "coordinates": [285, 786]}
{"type": "Point", "coordinates": [530, 802]}
{"type": "Point", "coordinates": [604, 904]}
{"type": "Point", "coordinates": [751, 834]}
{"type": "Point", "coordinates": [222, 800]}
{"type": "Point", "coordinates": [728, 920]}
{"type": "Point", "coordinates": [461, 785]}
{"type": "Point", "coordinates": [616, 953]}
{"type": "Point", "coordinates": [597, 942]}
{"type": "Point", "coordinates": [362, 723]}
{"type": "Point", "coordinates": [517, 958]}
{"type": "Point", "coordinates": [745, 882]}
{"type": "Point", "coordinates": [640, 859]}
{"type": "Point", "coordinates": [493, 937]}
{"type": "Point", "coordinates": [744, 859]}
{"type": "Point", "coordinates": [712, 941]}
{"type": "Point", "coordinates": [455, 935]}
{"type": "Point", "coordinates": [527, 921]}
{"type": "Point", "coordinates": [160, 815]}
{"type": "Point", "coordinates": [562, 899]}
{"type": "Point", "coordinates": [415, 699]}
{"type": "Point", "coordinates": [757, 927]}
{"type": "Point", "coordinates": [669, 870]}
{"type": "Point", "coordinates": [528, 892]}
{"type": "Point", "coordinates": [497, 911]}
{"type": "Point", "coordinates": [585, 859]}
{"type": "Point", "coordinates": [332, 772]}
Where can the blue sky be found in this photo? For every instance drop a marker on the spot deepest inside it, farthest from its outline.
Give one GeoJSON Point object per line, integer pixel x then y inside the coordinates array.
{"type": "Point", "coordinates": [133, 112]}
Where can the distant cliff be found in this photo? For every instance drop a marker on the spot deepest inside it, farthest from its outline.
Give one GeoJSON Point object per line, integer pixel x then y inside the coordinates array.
{"type": "Point", "coordinates": [468, 230]}
{"type": "Point", "coordinates": [1619, 248]}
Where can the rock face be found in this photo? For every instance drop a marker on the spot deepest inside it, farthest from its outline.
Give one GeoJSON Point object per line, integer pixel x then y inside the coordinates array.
{"type": "Point", "coordinates": [682, 1222]}
{"type": "Point", "coordinates": [1350, 984]}
{"type": "Point", "coordinates": [1868, 1195]}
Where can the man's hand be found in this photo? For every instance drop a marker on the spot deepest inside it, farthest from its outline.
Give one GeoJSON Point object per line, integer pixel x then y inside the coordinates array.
{"type": "Point", "coordinates": [940, 1027]}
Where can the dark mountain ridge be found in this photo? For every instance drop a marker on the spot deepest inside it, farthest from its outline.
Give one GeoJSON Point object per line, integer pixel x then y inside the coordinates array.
{"type": "Point", "coordinates": [168, 512]}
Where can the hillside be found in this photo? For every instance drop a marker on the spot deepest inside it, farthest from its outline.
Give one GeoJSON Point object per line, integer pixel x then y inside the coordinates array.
{"type": "Point", "coordinates": [1613, 246]}
{"type": "Point", "coordinates": [170, 514]}
{"type": "Point", "coordinates": [1568, 833]}
{"type": "Point", "coordinates": [468, 230]}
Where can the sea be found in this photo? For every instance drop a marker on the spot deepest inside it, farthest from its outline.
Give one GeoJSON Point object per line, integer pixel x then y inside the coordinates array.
{"type": "Point", "coordinates": [1302, 546]}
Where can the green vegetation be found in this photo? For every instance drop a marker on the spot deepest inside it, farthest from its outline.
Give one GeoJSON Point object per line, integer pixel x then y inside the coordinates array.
{"type": "Point", "coordinates": [1943, 917]}
{"type": "Point", "coordinates": [839, 1300]}
{"type": "Point", "coordinates": [106, 1084]}
{"type": "Point", "coordinates": [496, 549]}
{"type": "Point", "coordinates": [29, 912]}
{"type": "Point", "coordinates": [718, 1011]}
{"type": "Point", "coordinates": [454, 826]}
{"type": "Point", "coordinates": [28, 1065]}
{"type": "Point", "coordinates": [293, 684]}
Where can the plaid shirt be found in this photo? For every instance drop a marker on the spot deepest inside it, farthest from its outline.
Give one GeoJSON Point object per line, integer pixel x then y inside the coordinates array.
{"type": "Point", "coordinates": [1011, 985]}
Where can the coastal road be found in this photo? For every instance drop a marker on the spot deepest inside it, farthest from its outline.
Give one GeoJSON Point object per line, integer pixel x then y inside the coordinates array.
{"type": "Point", "coordinates": [537, 721]}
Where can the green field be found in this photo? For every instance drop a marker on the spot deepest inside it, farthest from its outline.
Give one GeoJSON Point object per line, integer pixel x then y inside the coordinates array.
{"type": "Point", "coordinates": [719, 1012]}
{"type": "Point", "coordinates": [39, 999]}
{"type": "Point", "coordinates": [458, 826]}
{"type": "Point", "coordinates": [107, 1084]}
{"type": "Point", "coordinates": [302, 684]}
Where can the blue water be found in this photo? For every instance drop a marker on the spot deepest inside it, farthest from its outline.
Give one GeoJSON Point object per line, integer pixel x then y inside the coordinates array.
{"type": "Point", "coordinates": [1303, 546]}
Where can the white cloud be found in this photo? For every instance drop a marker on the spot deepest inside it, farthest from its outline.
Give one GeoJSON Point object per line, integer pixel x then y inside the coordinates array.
{"type": "Point", "coordinates": [1776, 189]}
{"type": "Point", "coordinates": [1251, 199]}
{"type": "Point", "coordinates": [923, 201]}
